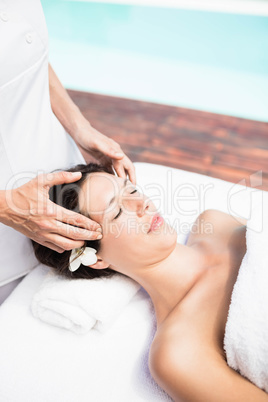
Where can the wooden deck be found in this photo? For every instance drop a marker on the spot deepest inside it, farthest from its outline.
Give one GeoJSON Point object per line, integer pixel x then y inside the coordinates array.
{"type": "Point", "coordinates": [221, 146]}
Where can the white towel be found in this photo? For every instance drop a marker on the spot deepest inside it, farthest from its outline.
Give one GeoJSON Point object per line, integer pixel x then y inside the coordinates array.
{"type": "Point", "coordinates": [81, 304]}
{"type": "Point", "coordinates": [246, 333]}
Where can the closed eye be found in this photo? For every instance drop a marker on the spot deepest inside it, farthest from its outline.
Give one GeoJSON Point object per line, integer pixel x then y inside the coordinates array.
{"type": "Point", "coordinates": [119, 213]}
{"type": "Point", "coordinates": [120, 209]}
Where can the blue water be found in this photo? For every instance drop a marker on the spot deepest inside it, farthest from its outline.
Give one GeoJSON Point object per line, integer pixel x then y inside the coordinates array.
{"type": "Point", "coordinates": [216, 62]}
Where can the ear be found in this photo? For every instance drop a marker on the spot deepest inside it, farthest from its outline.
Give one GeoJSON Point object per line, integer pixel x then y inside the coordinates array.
{"type": "Point", "coordinates": [100, 264]}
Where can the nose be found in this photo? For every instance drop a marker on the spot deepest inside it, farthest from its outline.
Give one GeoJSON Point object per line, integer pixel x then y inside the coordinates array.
{"type": "Point", "coordinates": [138, 204]}
{"type": "Point", "coordinates": [142, 206]}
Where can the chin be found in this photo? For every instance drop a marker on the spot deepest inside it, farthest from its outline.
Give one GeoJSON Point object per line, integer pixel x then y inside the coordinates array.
{"type": "Point", "coordinates": [167, 239]}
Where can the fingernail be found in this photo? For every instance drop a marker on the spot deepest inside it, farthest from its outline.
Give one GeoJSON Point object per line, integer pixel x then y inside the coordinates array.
{"type": "Point", "coordinates": [119, 153]}
{"type": "Point", "coordinates": [99, 230]}
{"type": "Point", "coordinates": [75, 173]}
{"type": "Point", "coordinates": [99, 236]}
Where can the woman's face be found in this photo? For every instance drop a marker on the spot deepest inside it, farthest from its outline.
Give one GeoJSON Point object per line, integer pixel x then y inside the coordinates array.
{"type": "Point", "coordinates": [130, 240]}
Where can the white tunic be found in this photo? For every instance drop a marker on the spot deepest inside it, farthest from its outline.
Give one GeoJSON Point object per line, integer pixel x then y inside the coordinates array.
{"type": "Point", "coordinates": [32, 140]}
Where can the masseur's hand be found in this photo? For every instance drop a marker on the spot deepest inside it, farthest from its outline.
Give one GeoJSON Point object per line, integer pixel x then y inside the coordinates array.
{"type": "Point", "coordinates": [104, 149]}
{"type": "Point", "coordinates": [29, 210]}
{"type": "Point", "coordinates": [90, 141]}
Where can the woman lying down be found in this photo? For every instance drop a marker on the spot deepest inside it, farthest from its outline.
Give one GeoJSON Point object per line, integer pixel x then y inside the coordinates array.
{"type": "Point", "coordinates": [190, 285]}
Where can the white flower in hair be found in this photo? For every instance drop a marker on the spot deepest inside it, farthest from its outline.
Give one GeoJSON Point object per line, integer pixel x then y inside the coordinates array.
{"type": "Point", "coordinates": [85, 257]}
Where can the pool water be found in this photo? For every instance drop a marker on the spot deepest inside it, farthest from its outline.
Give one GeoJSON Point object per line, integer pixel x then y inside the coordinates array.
{"type": "Point", "coordinates": [216, 62]}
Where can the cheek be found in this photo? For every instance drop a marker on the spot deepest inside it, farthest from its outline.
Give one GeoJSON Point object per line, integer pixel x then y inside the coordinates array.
{"type": "Point", "coordinates": [114, 249]}
{"type": "Point", "coordinates": [122, 245]}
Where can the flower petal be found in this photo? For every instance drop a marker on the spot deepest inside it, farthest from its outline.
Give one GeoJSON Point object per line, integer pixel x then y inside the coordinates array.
{"type": "Point", "coordinates": [89, 250]}
{"type": "Point", "coordinates": [75, 264]}
{"type": "Point", "coordinates": [73, 254]}
{"type": "Point", "coordinates": [89, 258]}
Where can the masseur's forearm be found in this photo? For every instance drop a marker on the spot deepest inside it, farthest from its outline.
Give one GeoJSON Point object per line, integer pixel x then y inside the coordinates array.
{"type": "Point", "coordinates": [63, 107]}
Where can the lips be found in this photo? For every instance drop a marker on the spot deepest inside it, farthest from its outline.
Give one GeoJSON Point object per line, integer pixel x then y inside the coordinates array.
{"type": "Point", "coordinates": [157, 221]}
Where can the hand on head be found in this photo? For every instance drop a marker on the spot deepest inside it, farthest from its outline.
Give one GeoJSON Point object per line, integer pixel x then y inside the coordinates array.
{"type": "Point", "coordinates": [107, 151]}
{"type": "Point", "coordinates": [30, 211]}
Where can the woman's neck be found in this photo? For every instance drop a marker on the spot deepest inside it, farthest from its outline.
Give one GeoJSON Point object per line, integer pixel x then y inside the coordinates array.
{"type": "Point", "coordinates": [169, 281]}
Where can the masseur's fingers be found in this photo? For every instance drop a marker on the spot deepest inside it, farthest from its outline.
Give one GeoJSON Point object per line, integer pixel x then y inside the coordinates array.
{"type": "Point", "coordinates": [125, 167]}
{"type": "Point", "coordinates": [30, 211]}
{"type": "Point", "coordinates": [130, 170]}
{"type": "Point", "coordinates": [74, 232]}
{"type": "Point", "coordinates": [63, 243]}
{"type": "Point", "coordinates": [82, 227]}
{"type": "Point", "coordinates": [67, 216]}
{"type": "Point", "coordinates": [53, 247]}
{"type": "Point", "coordinates": [120, 171]}
{"type": "Point", "coordinates": [107, 151]}
{"type": "Point", "coordinates": [53, 179]}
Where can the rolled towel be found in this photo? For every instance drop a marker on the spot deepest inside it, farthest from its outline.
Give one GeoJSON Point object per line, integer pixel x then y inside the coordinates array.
{"type": "Point", "coordinates": [81, 304]}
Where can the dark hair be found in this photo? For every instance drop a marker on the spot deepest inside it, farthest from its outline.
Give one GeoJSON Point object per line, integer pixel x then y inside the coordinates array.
{"type": "Point", "coordinates": [67, 195]}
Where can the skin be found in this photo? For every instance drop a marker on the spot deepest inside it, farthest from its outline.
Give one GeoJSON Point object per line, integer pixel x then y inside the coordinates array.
{"type": "Point", "coordinates": [190, 286]}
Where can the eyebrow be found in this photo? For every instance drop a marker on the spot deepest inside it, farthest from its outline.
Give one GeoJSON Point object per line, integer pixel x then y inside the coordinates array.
{"type": "Point", "coordinates": [113, 198]}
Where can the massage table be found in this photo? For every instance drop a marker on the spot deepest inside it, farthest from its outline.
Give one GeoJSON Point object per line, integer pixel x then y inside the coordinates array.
{"type": "Point", "coordinates": [43, 363]}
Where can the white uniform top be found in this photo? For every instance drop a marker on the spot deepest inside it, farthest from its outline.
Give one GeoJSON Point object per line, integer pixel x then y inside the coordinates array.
{"type": "Point", "coordinates": [32, 140]}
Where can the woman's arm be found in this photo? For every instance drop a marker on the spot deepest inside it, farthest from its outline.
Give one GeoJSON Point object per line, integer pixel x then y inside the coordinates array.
{"type": "Point", "coordinates": [194, 374]}
{"type": "Point", "coordinates": [63, 107]}
{"type": "Point", "coordinates": [90, 141]}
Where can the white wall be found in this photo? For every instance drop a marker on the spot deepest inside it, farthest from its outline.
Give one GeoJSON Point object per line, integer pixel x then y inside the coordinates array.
{"type": "Point", "coordinates": [253, 7]}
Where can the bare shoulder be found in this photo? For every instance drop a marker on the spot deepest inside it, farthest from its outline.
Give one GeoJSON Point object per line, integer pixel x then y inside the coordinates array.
{"type": "Point", "coordinates": [212, 224]}
{"type": "Point", "coordinates": [221, 218]}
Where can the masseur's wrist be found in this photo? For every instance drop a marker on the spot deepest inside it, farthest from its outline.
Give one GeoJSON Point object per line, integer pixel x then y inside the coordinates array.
{"type": "Point", "coordinates": [4, 209]}
{"type": "Point", "coordinates": [80, 125]}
